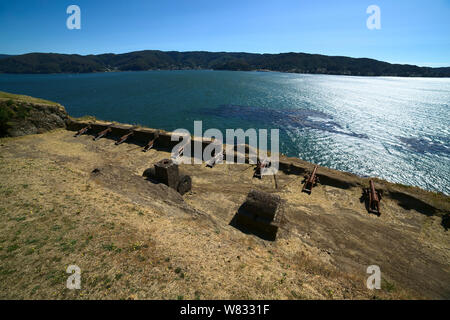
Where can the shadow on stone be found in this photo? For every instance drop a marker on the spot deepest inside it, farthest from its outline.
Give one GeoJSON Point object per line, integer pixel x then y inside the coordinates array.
{"type": "Point", "coordinates": [446, 221]}
{"type": "Point", "coordinates": [409, 202]}
{"type": "Point", "coordinates": [260, 215]}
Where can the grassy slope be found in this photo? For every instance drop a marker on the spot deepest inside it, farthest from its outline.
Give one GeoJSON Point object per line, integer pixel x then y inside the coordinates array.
{"type": "Point", "coordinates": [55, 214]}
{"type": "Point", "coordinates": [24, 98]}
{"type": "Point", "coordinates": [15, 110]}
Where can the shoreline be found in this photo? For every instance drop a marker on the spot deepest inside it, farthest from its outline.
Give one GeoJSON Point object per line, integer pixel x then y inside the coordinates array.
{"type": "Point", "coordinates": [85, 119]}
{"type": "Point", "coordinates": [293, 62]}
{"type": "Point", "coordinates": [294, 165]}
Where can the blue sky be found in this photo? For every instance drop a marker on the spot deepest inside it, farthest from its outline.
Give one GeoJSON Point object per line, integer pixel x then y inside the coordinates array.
{"type": "Point", "coordinates": [416, 32]}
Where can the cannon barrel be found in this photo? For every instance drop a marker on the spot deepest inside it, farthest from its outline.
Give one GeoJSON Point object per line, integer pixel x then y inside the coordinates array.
{"type": "Point", "coordinates": [373, 191]}
{"type": "Point", "coordinates": [374, 198]}
{"type": "Point", "coordinates": [312, 178]}
{"type": "Point", "coordinates": [213, 161]}
{"type": "Point", "coordinates": [124, 137]}
{"type": "Point", "coordinates": [259, 166]}
{"type": "Point", "coordinates": [103, 133]}
{"type": "Point", "coordinates": [310, 181]}
{"type": "Point", "coordinates": [83, 131]}
{"type": "Point", "coordinates": [150, 144]}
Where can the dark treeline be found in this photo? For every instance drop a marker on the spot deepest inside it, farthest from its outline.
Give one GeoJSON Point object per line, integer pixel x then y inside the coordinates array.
{"type": "Point", "coordinates": [173, 60]}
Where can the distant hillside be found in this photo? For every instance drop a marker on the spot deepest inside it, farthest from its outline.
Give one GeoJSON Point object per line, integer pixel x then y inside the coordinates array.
{"type": "Point", "coordinates": [173, 60]}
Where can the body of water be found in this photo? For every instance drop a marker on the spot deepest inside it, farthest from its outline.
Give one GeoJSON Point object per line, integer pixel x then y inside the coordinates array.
{"type": "Point", "coordinates": [397, 129]}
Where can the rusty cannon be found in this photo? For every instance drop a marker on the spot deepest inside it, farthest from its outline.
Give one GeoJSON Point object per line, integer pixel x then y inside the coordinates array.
{"type": "Point", "coordinates": [260, 165]}
{"type": "Point", "coordinates": [216, 158]}
{"type": "Point", "coordinates": [102, 133]}
{"type": "Point", "coordinates": [374, 197]}
{"type": "Point", "coordinates": [177, 154]}
{"type": "Point", "coordinates": [151, 143]}
{"type": "Point", "coordinates": [83, 131]}
{"type": "Point", "coordinates": [311, 180]}
{"type": "Point", "coordinates": [124, 137]}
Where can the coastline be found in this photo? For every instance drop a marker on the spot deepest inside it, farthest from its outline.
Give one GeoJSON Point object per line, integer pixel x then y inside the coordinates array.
{"type": "Point", "coordinates": [255, 70]}
{"type": "Point", "coordinates": [292, 62]}
{"type": "Point", "coordinates": [430, 200]}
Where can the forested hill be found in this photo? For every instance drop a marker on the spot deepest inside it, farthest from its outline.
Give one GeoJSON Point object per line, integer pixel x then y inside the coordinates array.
{"type": "Point", "coordinates": [173, 60]}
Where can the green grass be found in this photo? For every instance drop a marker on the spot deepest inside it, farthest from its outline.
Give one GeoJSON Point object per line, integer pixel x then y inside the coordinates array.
{"type": "Point", "coordinates": [12, 248]}
{"type": "Point", "coordinates": [388, 286]}
{"type": "Point", "coordinates": [6, 272]}
{"type": "Point", "coordinates": [14, 107]}
{"type": "Point", "coordinates": [111, 247]}
{"type": "Point", "coordinates": [86, 118]}
{"type": "Point", "coordinates": [23, 98]}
